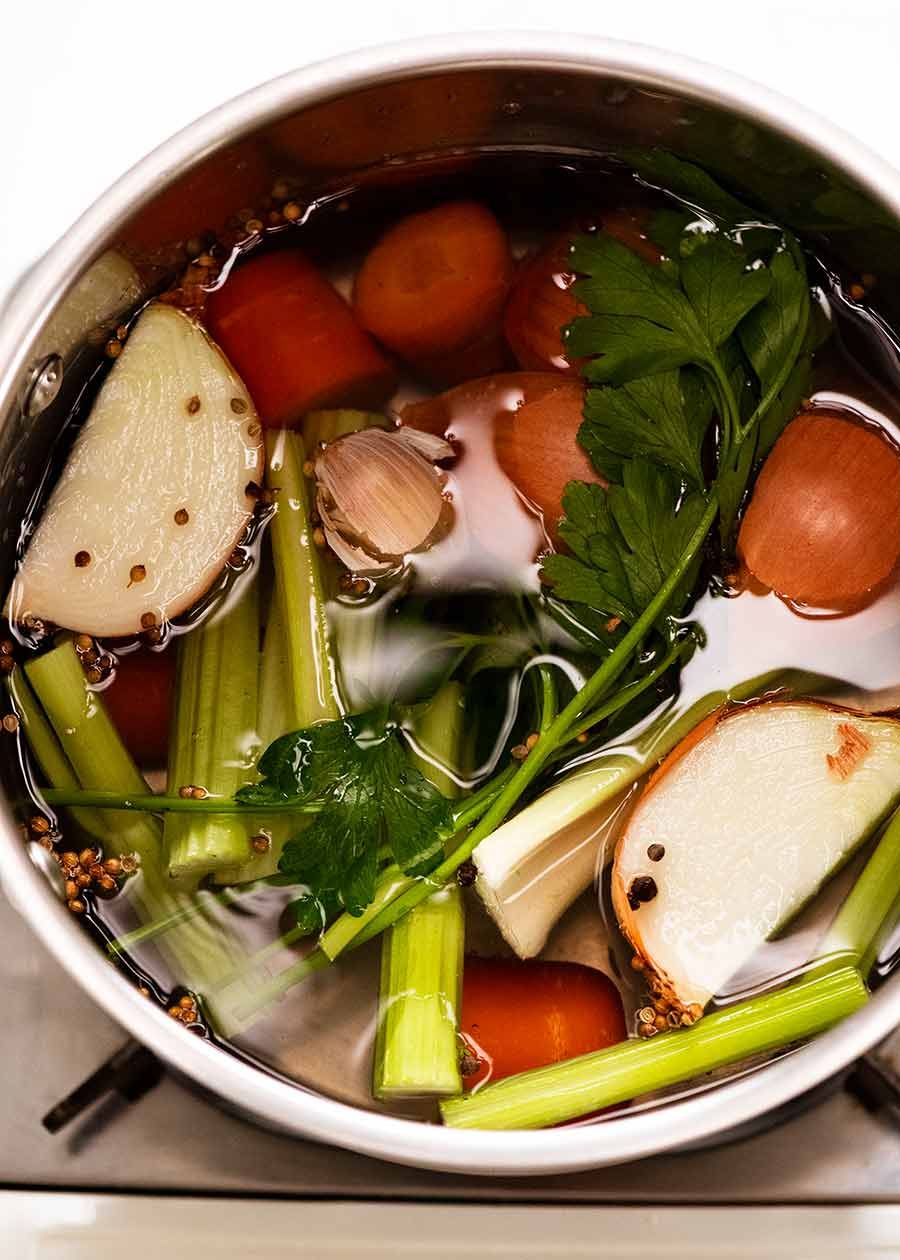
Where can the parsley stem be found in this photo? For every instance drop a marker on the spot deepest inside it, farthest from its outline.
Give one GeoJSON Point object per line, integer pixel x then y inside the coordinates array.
{"type": "Point", "coordinates": [548, 697]}
{"type": "Point", "coordinates": [790, 359]}
{"type": "Point", "coordinates": [151, 803]}
{"type": "Point", "coordinates": [631, 691]}
{"type": "Point", "coordinates": [160, 803]}
{"type": "Point", "coordinates": [728, 407]}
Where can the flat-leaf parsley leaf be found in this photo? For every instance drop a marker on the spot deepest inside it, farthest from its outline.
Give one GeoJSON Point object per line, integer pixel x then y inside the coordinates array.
{"type": "Point", "coordinates": [371, 795]}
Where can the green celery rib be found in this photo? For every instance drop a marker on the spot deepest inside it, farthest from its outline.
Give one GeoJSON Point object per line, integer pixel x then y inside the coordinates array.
{"type": "Point", "coordinates": [416, 1047]}
{"type": "Point", "coordinates": [49, 755]}
{"type": "Point", "coordinates": [297, 675]}
{"type": "Point", "coordinates": [312, 676]}
{"type": "Point", "coordinates": [869, 911]}
{"type": "Point", "coordinates": [214, 736]}
{"type": "Point", "coordinates": [198, 952]}
{"type": "Point", "coordinates": [565, 1091]}
{"type": "Point", "coordinates": [325, 426]}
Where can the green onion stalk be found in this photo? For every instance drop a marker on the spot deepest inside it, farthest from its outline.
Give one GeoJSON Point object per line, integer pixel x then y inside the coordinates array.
{"type": "Point", "coordinates": [416, 1049]}
{"type": "Point", "coordinates": [213, 743]}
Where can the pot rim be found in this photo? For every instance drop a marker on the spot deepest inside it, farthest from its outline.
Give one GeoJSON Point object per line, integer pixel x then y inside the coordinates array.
{"type": "Point", "coordinates": [276, 1102]}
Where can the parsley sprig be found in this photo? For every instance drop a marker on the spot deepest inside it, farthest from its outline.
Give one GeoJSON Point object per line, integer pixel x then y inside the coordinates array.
{"type": "Point", "coordinates": [370, 796]}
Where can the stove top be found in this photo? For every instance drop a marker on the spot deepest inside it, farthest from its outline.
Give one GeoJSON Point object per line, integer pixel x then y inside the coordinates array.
{"type": "Point", "coordinates": [837, 1150]}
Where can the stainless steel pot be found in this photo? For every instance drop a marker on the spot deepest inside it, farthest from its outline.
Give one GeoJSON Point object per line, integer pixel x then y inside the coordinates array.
{"type": "Point", "coordinates": [386, 110]}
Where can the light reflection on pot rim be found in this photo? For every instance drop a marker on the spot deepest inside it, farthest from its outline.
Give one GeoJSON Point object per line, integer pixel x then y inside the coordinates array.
{"type": "Point", "coordinates": [277, 1103]}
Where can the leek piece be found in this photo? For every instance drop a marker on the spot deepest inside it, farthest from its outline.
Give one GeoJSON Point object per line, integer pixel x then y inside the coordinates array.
{"type": "Point", "coordinates": [416, 1048]}
{"type": "Point", "coordinates": [577, 1087]}
{"type": "Point", "coordinates": [311, 673]}
{"type": "Point", "coordinates": [214, 743]}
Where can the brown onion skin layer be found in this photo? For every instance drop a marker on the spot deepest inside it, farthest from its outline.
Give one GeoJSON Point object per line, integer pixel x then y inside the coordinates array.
{"type": "Point", "coordinates": [823, 526]}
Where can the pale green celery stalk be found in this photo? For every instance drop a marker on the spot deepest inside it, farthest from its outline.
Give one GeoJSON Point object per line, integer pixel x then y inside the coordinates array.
{"type": "Point", "coordinates": [325, 426]}
{"type": "Point", "coordinates": [298, 683]}
{"type": "Point", "coordinates": [416, 1048]}
{"type": "Point", "coordinates": [213, 743]}
{"type": "Point", "coordinates": [198, 952]}
{"type": "Point", "coordinates": [577, 1087]}
{"type": "Point", "coordinates": [49, 755]}
{"type": "Point", "coordinates": [356, 631]}
{"type": "Point", "coordinates": [869, 911]}
{"type": "Point", "coordinates": [312, 676]}
{"type": "Point", "coordinates": [274, 717]}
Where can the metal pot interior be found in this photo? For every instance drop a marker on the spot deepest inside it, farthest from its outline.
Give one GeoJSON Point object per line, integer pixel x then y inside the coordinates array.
{"type": "Point", "coordinates": [385, 130]}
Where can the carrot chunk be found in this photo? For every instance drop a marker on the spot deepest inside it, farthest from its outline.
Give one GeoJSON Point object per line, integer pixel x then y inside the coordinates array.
{"type": "Point", "coordinates": [436, 282]}
{"type": "Point", "coordinates": [295, 342]}
{"type": "Point", "coordinates": [522, 1015]}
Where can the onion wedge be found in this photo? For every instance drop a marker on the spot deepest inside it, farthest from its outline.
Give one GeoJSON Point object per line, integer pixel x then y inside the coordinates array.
{"type": "Point", "coordinates": [157, 491]}
{"type": "Point", "coordinates": [738, 829]}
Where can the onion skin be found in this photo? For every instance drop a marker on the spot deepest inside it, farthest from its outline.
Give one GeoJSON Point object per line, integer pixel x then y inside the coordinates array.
{"type": "Point", "coordinates": [541, 303]}
{"type": "Point", "coordinates": [535, 417]}
{"type": "Point", "coordinates": [823, 525]}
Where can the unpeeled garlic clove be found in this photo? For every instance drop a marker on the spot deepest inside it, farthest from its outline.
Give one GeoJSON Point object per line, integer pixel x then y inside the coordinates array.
{"type": "Point", "coordinates": [380, 496]}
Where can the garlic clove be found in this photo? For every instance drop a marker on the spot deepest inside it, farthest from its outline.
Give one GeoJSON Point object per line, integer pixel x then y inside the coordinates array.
{"type": "Point", "coordinates": [380, 496]}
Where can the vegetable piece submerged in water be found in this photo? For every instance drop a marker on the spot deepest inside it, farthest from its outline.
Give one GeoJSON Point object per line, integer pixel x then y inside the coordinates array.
{"type": "Point", "coordinates": [156, 492]}
{"type": "Point", "coordinates": [294, 340]}
{"type": "Point", "coordinates": [823, 526]}
{"type": "Point", "coordinates": [517, 1016]}
{"type": "Point", "coordinates": [739, 827]}
{"type": "Point", "coordinates": [435, 283]}
{"type": "Point", "coordinates": [380, 495]}
{"type": "Point", "coordinates": [534, 418]}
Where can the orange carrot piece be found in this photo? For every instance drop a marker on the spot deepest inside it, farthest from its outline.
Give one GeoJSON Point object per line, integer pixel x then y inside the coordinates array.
{"type": "Point", "coordinates": [436, 282]}
{"type": "Point", "coordinates": [522, 1015]}
{"type": "Point", "coordinates": [295, 342]}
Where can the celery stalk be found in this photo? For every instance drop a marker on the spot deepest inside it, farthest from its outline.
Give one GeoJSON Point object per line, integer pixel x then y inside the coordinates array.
{"type": "Point", "coordinates": [198, 952]}
{"type": "Point", "coordinates": [320, 427]}
{"type": "Point", "coordinates": [297, 675]}
{"type": "Point", "coordinates": [416, 1050]}
{"type": "Point", "coordinates": [214, 743]}
{"type": "Point", "coordinates": [274, 717]}
{"type": "Point", "coordinates": [868, 913]}
{"type": "Point", "coordinates": [49, 755]}
{"type": "Point", "coordinates": [577, 1087]}
{"type": "Point", "coordinates": [312, 676]}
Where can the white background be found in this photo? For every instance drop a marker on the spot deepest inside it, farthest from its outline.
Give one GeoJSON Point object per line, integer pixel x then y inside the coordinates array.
{"type": "Point", "coordinates": [86, 88]}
